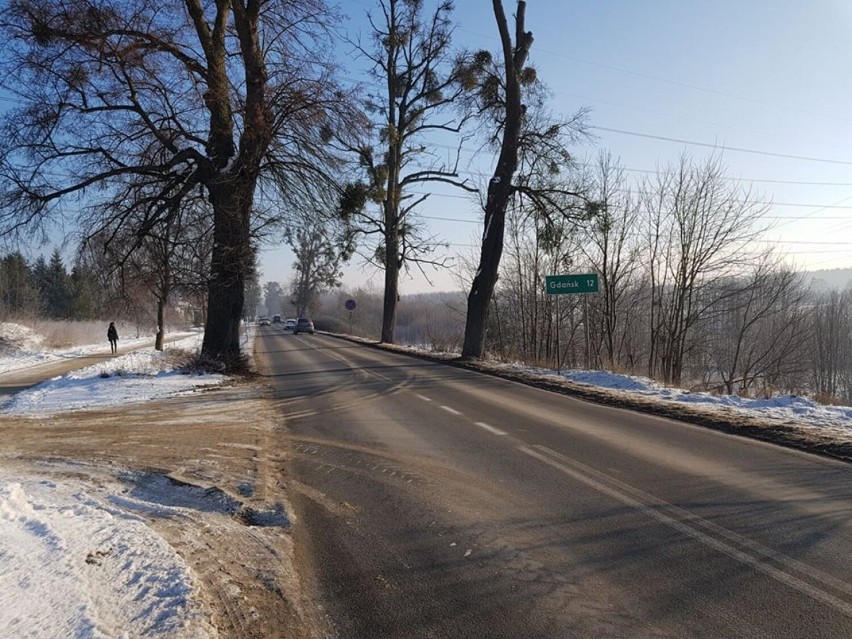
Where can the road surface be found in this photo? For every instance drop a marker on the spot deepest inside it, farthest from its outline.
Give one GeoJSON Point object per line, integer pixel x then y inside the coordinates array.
{"type": "Point", "coordinates": [437, 502]}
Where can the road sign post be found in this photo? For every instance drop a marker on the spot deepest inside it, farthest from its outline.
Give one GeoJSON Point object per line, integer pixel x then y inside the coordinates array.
{"type": "Point", "coordinates": [571, 285]}
{"type": "Point", "coordinates": [558, 326]}
{"type": "Point", "coordinates": [350, 306]}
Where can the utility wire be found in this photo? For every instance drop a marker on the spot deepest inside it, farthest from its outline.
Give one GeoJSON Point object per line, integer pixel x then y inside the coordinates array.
{"type": "Point", "coordinates": [802, 205]}
{"type": "Point", "coordinates": [720, 148]}
{"type": "Point", "coordinates": [685, 85]}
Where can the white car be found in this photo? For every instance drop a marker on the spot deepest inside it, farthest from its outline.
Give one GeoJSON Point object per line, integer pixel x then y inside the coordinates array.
{"type": "Point", "coordinates": [289, 324]}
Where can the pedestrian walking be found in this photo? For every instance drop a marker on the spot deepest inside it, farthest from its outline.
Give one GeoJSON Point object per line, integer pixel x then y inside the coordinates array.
{"type": "Point", "coordinates": [112, 335]}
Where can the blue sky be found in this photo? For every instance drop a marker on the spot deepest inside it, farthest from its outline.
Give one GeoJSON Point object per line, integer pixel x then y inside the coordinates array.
{"type": "Point", "coordinates": [769, 76]}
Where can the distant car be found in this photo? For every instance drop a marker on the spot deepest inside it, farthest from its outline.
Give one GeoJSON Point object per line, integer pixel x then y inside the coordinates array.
{"type": "Point", "coordinates": [289, 324]}
{"type": "Point", "coordinates": [263, 321]}
{"type": "Point", "coordinates": [303, 325]}
{"type": "Point", "coordinates": [276, 319]}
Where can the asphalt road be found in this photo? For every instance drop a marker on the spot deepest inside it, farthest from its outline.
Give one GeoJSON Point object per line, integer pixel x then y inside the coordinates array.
{"type": "Point", "coordinates": [437, 502]}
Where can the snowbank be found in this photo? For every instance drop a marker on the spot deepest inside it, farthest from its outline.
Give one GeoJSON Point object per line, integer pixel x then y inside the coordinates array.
{"type": "Point", "coordinates": [75, 565]}
{"type": "Point", "coordinates": [134, 377]}
{"type": "Point", "coordinates": [780, 409]}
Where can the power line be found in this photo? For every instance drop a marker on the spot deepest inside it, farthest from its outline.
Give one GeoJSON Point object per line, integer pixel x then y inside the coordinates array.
{"type": "Point", "coordinates": [630, 107]}
{"type": "Point", "coordinates": [803, 205]}
{"type": "Point", "coordinates": [458, 219]}
{"type": "Point", "coordinates": [448, 219]}
{"type": "Point", "coordinates": [742, 179]}
{"type": "Point", "coordinates": [674, 140]}
{"type": "Point", "coordinates": [802, 242]}
{"type": "Point", "coordinates": [802, 217]}
{"type": "Point", "coordinates": [722, 148]}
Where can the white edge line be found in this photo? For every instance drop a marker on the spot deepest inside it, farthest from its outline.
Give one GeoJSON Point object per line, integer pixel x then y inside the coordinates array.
{"type": "Point", "coordinates": [762, 565]}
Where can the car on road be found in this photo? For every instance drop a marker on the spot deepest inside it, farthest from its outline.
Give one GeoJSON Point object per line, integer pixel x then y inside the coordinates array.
{"type": "Point", "coordinates": [303, 325]}
{"type": "Point", "coordinates": [289, 324]}
{"type": "Point", "coordinates": [276, 319]}
{"type": "Point", "coordinates": [263, 321]}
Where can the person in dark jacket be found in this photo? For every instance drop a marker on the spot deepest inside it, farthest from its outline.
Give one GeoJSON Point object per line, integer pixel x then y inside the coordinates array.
{"type": "Point", "coordinates": [112, 335]}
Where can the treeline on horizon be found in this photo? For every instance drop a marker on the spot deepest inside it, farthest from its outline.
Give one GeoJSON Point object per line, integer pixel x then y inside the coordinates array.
{"type": "Point", "coordinates": [47, 289]}
{"type": "Point", "coordinates": [770, 333]}
{"type": "Point", "coordinates": [818, 362]}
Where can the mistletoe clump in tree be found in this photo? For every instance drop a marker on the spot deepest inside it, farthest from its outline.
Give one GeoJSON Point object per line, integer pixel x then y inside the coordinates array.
{"type": "Point", "coordinates": [417, 98]}
{"type": "Point", "coordinates": [532, 164]}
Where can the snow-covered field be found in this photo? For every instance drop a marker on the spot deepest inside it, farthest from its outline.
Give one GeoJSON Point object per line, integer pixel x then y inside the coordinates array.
{"type": "Point", "coordinates": [78, 559]}
{"type": "Point", "coordinates": [137, 376]}
{"type": "Point", "coordinates": [22, 347]}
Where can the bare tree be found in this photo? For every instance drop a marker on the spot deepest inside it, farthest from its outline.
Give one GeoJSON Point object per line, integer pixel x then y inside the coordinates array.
{"type": "Point", "coordinates": [612, 250]}
{"type": "Point", "coordinates": [525, 137]}
{"type": "Point", "coordinates": [525, 322]}
{"type": "Point", "coordinates": [170, 257]}
{"type": "Point", "coordinates": [759, 325]}
{"type": "Point", "coordinates": [700, 231]}
{"type": "Point", "coordinates": [421, 80]}
{"type": "Point", "coordinates": [832, 345]}
{"type": "Point", "coordinates": [319, 255]}
{"type": "Point", "coordinates": [142, 103]}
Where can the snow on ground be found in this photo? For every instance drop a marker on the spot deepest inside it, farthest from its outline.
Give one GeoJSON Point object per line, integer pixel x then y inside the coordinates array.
{"type": "Point", "coordinates": [76, 565]}
{"type": "Point", "coordinates": [78, 560]}
{"type": "Point", "coordinates": [134, 377]}
{"type": "Point", "coordinates": [21, 347]}
{"type": "Point", "coordinates": [780, 409]}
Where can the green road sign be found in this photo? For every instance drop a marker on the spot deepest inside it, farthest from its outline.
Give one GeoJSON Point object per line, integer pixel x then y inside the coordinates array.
{"type": "Point", "coordinates": [568, 284]}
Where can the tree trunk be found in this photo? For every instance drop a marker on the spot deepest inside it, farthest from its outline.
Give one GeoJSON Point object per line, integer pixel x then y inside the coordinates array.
{"type": "Point", "coordinates": [161, 324]}
{"type": "Point", "coordinates": [164, 290]}
{"type": "Point", "coordinates": [232, 261]}
{"type": "Point", "coordinates": [500, 187]}
{"type": "Point", "coordinates": [232, 189]}
{"type": "Point", "coordinates": [391, 298]}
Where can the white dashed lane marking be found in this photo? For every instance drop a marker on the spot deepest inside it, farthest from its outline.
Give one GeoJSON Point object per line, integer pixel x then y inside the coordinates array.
{"type": "Point", "coordinates": [450, 410]}
{"type": "Point", "coordinates": [490, 429]}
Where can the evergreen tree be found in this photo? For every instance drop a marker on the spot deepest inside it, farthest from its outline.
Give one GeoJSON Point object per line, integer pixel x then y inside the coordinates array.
{"type": "Point", "coordinates": [18, 292]}
{"type": "Point", "coordinates": [56, 293]}
{"type": "Point", "coordinates": [85, 298]}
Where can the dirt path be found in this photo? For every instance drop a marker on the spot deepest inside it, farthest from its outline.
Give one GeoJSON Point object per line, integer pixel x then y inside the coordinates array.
{"type": "Point", "coordinates": [228, 440]}
{"type": "Point", "coordinates": [14, 381]}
